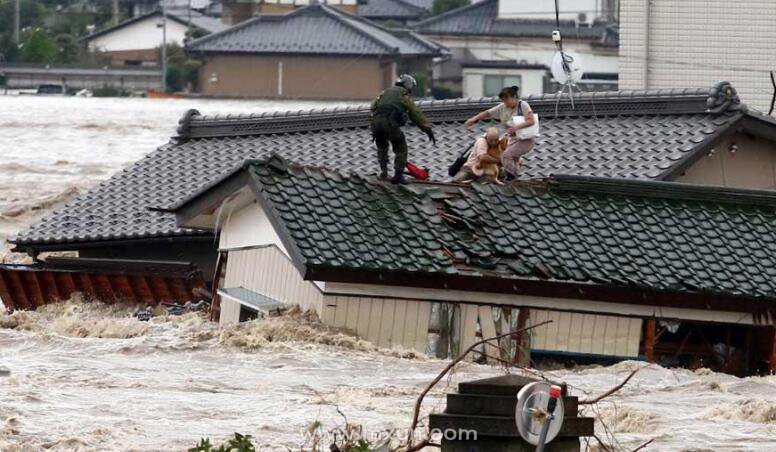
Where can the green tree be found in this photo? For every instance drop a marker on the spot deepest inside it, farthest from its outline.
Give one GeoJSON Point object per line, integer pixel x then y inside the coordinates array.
{"type": "Point", "coordinates": [38, 47]}
{"type": "Point", "coordinates": [68, 50]}
{"type": "Point", "coordinates": [442, 6]}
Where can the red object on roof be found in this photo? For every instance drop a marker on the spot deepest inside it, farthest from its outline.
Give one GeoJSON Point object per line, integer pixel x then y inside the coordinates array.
{"type": "Point", "coordinates": [555, 392]}
{"type": "Point", "coordinates": [417, 172]}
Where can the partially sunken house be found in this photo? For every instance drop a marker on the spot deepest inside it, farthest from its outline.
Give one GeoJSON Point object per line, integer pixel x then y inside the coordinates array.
{"type": "Point", "coordinates": [310, 53]}
{"type": "Point", "coordinates": [692, 136]}
{"type": "Point", "coordinates": [596, 255]}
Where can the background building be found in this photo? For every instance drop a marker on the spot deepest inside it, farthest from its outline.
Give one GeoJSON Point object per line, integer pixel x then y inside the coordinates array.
{"type": "Point", "coordinates": [395, 12]}
{"type": "Point", "coordinates": [315, 52]}
{"type": "Point", "coordinates": [693, 42]}
{"type": "Point", "coordinates": [513, 42]}
{"type": "Point", "coordinates": [136, 42]}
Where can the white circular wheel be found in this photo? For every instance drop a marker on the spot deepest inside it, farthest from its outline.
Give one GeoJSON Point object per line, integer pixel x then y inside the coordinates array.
{"type": "Point", "coordinates": [531, 411]}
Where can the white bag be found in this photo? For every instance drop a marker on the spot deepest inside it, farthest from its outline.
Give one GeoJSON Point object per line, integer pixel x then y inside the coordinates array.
{"type": "Point", "coordinates": [527, 132]}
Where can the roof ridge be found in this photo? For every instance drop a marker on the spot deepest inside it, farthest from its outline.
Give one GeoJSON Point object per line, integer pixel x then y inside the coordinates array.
{"type": "Point", "coordinates": [130, 21]}
{"type": "Point", "coordinates": [411, 6]}
{"type": "Point", "coordinates": [227, 31]}
{"type": "Point", "coordinates": [663, 190]}
{"type": "Point", "coordinates": [339, 15]}
{"type": "Point", "coordinates": [602, 103]}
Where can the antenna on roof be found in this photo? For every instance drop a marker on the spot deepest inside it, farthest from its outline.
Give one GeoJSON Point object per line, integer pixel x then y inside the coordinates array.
{"type": "Point", "coordinates": [566, 67]}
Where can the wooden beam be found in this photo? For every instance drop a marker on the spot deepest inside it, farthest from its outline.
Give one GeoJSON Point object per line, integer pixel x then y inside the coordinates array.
{"type": "Point", "coordinates": [32, 288]}
{"type": "Point", "coordinates": [104, 289]}
{"type": "Point", "coordinates": [773, 350]}
{"type": "Point", "coordinates": [49, 286]}
{"type": "Point", "coordinates": [122, 287]}
{"type": "Point", "coordinates": [650, 326]}
{"type": "Point", "coordinates": [522, 344]}
{"type": "Point", "coordinates": [160, 289]}
{"type": "Point", "coordinates": [143, 290]}
{"type": "Point", "coordinates": [5, 292]}
{"type": "Point", "coordinates": [22, 301]}
{"type": "Point", "coordinates": [86, 285]}
{"type": "Point", "coordinates": [178, 289]}
{"type": "Point", "coordinates": [66, 283]}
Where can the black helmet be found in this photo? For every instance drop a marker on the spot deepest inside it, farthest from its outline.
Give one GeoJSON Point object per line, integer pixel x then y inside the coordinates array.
{"type": "Point", "coordinates": [407, 82]}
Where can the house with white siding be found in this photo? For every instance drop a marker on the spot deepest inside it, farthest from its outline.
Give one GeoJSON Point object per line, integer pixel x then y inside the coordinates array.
{"type": "Point", "coordinates": [136, 41]}
{"type": "Point", "coordinates": [501, 42]}
{"type": "Point", "coordinates": [587, 253]}
{"type": "Point", "coordinates": [666, 43]}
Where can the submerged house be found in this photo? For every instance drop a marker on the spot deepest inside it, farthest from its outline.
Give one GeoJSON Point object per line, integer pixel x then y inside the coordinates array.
{"type": "Point", "coordinates": [694, 136]}
{"type": "Point", "coordinates": [606, 259]}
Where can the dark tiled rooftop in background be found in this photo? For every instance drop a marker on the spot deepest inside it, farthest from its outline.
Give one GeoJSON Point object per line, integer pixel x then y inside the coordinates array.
{"type": "Point", "coordinates": [636, 135]}
{"type": "Point", "coordinates": [660, 236]}
{"type": "Point", "coordinates": [315, 29]}
{"type": "Point", "coordinates": [482, 19]}
{"type": "Point", "coordinates": [393, 9]}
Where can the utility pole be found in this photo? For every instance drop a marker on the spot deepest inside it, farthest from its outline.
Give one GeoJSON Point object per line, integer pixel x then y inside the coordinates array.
{"type": "Point", "coordinates": [16, 21]}
{"type": "Point", "coordinates": [115, 12]}
{"type": "Point", "coordinates": [164, 47]}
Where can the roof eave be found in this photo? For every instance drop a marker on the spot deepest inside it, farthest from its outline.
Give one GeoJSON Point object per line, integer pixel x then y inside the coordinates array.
{"type": "Point", "coordinates": [761, 308]}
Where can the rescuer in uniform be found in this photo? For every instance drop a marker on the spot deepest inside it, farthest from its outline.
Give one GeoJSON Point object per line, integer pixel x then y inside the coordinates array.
{"type": "Point", "coordinates": [390, 112]}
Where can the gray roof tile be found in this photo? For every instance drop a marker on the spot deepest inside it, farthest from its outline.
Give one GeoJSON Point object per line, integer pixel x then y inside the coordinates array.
{"type": "Point", "coordinates": [315, 29]}
{"type": "Point", "coordinates": [659, 236]}
{"type": "Point", "coordinates": [394, 9]}
{"type": "Point", "coordinates": [649, 137]}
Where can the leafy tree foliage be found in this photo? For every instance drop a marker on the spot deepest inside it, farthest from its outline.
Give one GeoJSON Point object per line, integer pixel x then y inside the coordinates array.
{"type": "Point", "coordinates": [442, 6]}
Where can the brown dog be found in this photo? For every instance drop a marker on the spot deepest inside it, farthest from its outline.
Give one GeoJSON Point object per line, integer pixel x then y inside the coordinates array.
{"type": "Point", "coordinates": [496, 148]}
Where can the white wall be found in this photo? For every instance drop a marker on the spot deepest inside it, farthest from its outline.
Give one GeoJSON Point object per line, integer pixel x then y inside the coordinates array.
{"type": "Point", "coordinates": [696, 43]}
{"type": "Point", "coordinates": [473, 80]}
{"type": "Point", "coordinates": [307, 2]}
{"type": "Point", "coordinates": [533, 51]}
{"type": "Point", "coordinates": [269, 271]}
{"type": "Point", "coordinates": [545, 9]}
{"type": "Point", "coordinates": [248, 226]}
{"type": "Point", "coordinates": [140, 35]}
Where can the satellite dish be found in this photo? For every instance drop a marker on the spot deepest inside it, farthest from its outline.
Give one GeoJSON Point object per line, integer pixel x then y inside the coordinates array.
{"type": "Point", "coordinates": [531, 413]}
{"type": "Point", "coordinates": [572, 73]}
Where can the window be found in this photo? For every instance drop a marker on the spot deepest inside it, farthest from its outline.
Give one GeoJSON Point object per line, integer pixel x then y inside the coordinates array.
{"type": "Point", "coordinates": [492, 84]}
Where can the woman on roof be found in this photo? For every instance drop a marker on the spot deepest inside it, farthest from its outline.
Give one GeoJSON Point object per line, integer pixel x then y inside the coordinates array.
{"type": "Point", "coordinates": [510, 107]}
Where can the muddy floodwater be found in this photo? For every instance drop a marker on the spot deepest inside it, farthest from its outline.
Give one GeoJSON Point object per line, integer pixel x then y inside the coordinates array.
{"type": "Point", "coordinates": [82, 376]}
{"type": "Point", "coordinates": [52, 148]}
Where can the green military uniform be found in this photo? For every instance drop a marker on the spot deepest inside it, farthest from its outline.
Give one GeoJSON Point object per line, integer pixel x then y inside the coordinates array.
{"type": "Point", "coordinates": [390, 112]}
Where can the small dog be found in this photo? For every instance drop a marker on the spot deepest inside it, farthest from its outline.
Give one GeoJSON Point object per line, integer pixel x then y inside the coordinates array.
{"type": "Point", "coordinates": [496, 148]}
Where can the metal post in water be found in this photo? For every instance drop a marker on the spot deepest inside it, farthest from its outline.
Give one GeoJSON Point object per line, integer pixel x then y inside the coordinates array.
{"type": "Point", "coordinates": [16, 21]}
{"type": "Point", "coordinates": [164, 47]}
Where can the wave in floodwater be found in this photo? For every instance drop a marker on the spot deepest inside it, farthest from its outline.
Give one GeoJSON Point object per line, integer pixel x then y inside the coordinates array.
{"type": "Point", "coordinates": [89, 376]}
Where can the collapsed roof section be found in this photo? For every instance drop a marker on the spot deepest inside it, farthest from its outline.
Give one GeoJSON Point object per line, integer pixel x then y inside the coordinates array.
{"type": "Point", "coordinates": [563, 235]}
{"type": "Point", "coordinates": [648, 135]}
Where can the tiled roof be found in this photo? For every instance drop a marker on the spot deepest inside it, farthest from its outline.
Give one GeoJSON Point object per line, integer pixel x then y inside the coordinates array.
{"type": "Point", "coordinates": [652, 235]}
{"type": "Point", "coordinates": [649, 135]}
{"type": "Point", "coordinates": [392, 9]}
{"type": "Point", "coordinates": [315, 29]}
{"type": "Point", "coordinates": [207, 23]}
{"type": "Point", "coordinates": [180, 15]}
{"type": "Point", "coordinates": [481, 19]}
